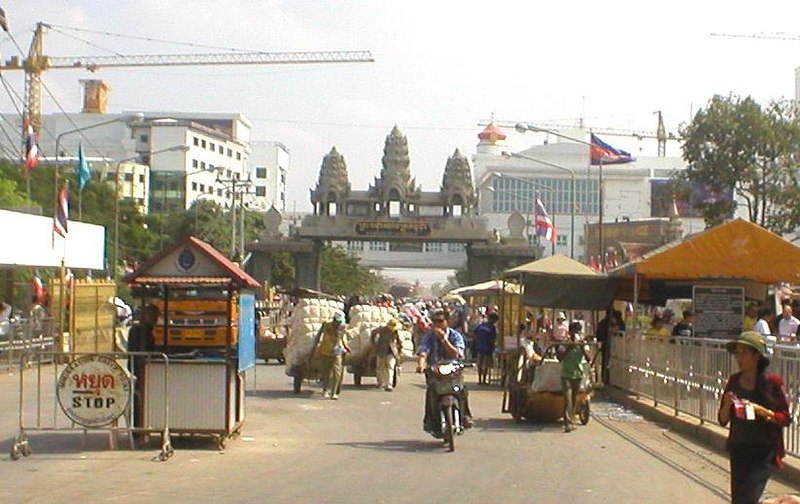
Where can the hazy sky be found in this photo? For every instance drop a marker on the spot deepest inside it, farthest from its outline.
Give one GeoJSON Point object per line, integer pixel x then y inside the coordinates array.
{"type": "Point", "coordinates": [441, 67]}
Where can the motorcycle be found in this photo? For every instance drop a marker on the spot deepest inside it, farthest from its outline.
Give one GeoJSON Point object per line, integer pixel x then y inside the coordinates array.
{"type": "Point", "coordinates": [448, 383]}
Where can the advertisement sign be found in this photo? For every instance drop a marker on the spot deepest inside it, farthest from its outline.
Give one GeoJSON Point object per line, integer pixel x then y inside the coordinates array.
{"type": "Point", "coordinates": [93, 390]}
{"type": "Point", "coordinates": [718, 311]}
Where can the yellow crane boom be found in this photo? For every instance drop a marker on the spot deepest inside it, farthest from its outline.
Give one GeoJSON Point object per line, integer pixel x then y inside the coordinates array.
{"type": "Point", "coordinates": [37, 63]}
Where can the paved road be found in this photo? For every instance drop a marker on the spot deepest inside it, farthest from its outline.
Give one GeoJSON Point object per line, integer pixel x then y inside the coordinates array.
{"type": "Point", "coordinates": [368, 447]}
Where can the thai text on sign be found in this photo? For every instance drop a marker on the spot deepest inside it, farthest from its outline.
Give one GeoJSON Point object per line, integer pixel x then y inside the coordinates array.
{"type": "Point", "coordinates": [390, 228]}
{"type": "Point", "coordinates": [93, 390]}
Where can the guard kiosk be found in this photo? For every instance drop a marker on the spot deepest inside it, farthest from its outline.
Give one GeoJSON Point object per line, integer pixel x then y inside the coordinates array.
{"type": "Point", "coordinates": [206, 327]}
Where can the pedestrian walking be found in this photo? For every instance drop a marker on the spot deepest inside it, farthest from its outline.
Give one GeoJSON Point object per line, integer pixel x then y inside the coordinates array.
{"type": "Point", "coordinates": [387, 344]}
{"type": "Point", "coordinates": [755, 405]}
{"type": "Point", "coordinates": [572, 372]}
{"type": "Point", "coordinates": [331, 343]}
{"type": "Point", "coordinates": [485, 336]}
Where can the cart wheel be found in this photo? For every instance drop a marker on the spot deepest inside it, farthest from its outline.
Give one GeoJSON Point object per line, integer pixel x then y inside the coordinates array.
{"type": "Point", "coordinates": [222, 442]}
{"type": "Point", "coordinates": [298, 383]}
{"type": "Point", "coordinates": [357, 379]}
{"type": "Point", "coordinates": [15, 453]}
{"type": "Point", "coordinates": [266, 360]}
{"type": "Point", "coordinates": [26, 450]}
{"type": "Point", "coordinates": [583, 412]}
{"type": "Point", "coordinates": [281, 360]}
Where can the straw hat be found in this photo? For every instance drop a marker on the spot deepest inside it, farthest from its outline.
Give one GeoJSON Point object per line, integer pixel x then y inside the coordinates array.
{"type": "Point", "coordinates": [752, 339]}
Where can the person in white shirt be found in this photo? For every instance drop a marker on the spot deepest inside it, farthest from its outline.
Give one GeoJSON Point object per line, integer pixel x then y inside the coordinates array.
{"type": "Point", "coordinates": [5, 317]}
{"type": "Point", "coordinates": [561, 328]}
{"type": "Point", "coordinates": [787, 324]}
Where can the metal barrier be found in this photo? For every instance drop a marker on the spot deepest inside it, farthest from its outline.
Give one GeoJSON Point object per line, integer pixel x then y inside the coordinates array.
{"type": "Point", "coordinates": [689, 375]}
{"type": "Point", "coordinates": [24, 335]}
{"type": "Point", "coordinates": [47, 377]}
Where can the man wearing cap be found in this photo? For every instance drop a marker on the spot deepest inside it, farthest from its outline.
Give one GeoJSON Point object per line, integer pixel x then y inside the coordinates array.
{"type": "Point", "coordinates": [755, 405]}
{"type": "Point", "coordinates": [387, 344]}
{"type": "Point", "coordinates": [331, 343]}
{"type": "Point", "coordinates": [561, 328]}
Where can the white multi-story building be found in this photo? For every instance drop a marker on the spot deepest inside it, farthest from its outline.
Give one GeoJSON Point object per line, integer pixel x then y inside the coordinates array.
{"type": "Point", "coordinates": [189, 155]}
{"type": "Point", "coordinates": [631, 191]}
{"type": "Point", "coordinates": [270, 165]}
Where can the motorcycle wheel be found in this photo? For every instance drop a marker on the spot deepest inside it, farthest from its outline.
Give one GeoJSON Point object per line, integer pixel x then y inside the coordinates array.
{"type": "Point", "coordinates": [583, 412]}
{"type": "Point", "coordinates": [449, 429]}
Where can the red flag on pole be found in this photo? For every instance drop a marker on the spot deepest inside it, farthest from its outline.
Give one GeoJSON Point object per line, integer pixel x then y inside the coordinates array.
{"type": "Point", "coordinates": [31, 148]}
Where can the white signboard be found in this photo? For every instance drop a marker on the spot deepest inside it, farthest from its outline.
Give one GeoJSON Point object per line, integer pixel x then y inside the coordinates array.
{"type": "Point", "coordinates": [35, 244]}
{"type": "Point", "coordinates": [93, 391]}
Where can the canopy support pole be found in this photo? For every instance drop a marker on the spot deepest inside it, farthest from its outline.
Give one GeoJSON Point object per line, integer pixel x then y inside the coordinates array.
{"type": "Point", "coordinates": [636, 300]}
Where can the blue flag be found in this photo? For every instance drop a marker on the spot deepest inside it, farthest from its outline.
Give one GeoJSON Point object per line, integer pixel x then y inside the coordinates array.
{"type": "Point", "coordinates": [83, 169]}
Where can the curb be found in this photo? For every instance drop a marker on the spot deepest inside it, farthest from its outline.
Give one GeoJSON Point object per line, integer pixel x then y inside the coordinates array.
{"type": "Point", "coordinates": [711, 435]}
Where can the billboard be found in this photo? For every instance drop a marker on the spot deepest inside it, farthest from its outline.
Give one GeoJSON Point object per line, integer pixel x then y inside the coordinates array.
{"type": "Point", "coordinates": [687, 197]}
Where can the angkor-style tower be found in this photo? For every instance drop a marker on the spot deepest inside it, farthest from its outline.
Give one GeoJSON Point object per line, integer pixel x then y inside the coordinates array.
{"type": "Point", "coordinates": [333, 185]}
{"type": "Point", "coordinates": [395, 182]}
{"type": "Point", "coordinates": [457, 184]}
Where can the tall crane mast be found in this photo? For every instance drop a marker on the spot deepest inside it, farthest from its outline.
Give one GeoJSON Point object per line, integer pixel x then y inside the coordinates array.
{"type": "Point", "coordinates": [37, 63]}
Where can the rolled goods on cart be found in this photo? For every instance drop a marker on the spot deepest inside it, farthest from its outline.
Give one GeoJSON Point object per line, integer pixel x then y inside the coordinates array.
{"type": "Point", "coordinates": [307, 318]}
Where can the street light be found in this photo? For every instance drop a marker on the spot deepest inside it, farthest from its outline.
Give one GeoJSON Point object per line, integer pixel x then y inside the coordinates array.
{"type": "Point", "coordinates": [523, 127]}
{"type": "Point", "coordinates": [571, 190]}
{"type": "Point", "coordinates": [174, 148]}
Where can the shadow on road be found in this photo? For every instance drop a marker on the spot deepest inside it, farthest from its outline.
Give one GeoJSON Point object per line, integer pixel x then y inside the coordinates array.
{"type": "Point", "coordinates": [509, 425]}
{"type": "Point", "coordinates": [397, 445]}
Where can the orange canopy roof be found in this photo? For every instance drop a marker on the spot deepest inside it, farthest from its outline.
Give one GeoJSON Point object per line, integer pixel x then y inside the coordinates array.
{"type": "Point", "coordinates": [737, 249]}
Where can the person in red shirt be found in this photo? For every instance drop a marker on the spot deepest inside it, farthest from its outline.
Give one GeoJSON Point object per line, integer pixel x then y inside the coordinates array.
{"type": "Point", "coordinates": [755, 405]}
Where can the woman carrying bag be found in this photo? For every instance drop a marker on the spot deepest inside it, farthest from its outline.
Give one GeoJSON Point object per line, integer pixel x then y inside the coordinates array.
{"type": "Point", "coordinates": [755, 405]}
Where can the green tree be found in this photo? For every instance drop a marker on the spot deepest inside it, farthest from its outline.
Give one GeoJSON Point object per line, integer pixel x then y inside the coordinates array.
{"type": "Point", "coordinates": [735, 144]}
{"type": "Point", "coordinates": [342, 274]}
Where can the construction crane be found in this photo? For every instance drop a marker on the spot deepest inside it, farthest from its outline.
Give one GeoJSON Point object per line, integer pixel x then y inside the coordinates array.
{"type": "Point", "coordinates": [37, 63]}
{"type": "Point", "coordinates": [660, 134]}
{"type": "Point", "coordinates": [773, 36]}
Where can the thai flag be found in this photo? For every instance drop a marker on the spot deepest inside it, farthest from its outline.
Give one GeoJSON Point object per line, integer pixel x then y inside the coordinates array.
{"type": "Point", "coordinates": [31, 148]}
{"type": "Point", "coordinates": [602, 153]}
{"type": "Point", "coordinates": [544, 226]}
{"type": "Point", "coordinates": [62, 213]}
{"type": "Point", "coordinates": [38, 288]}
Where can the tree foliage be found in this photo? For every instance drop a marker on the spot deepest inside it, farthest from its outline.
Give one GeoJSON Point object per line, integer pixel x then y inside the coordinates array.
{"type": "Point", "coordinates": [735, 144]}
{"type": "Point", "coordinates": [342, 274]}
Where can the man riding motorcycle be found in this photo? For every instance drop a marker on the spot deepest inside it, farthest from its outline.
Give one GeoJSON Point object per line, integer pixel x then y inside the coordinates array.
{"type": "Point", "coordinates": [440, 344]}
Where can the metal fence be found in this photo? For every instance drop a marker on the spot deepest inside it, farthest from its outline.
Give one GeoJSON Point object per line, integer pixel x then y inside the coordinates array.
{"type": "Point", "coordinates": [42, 375]}
{"type": "Point", "coordinates": [24, 335]}
{"type": "Point", "coordinates": [689, 375]}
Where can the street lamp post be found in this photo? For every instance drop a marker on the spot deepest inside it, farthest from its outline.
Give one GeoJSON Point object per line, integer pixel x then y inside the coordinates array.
{"type": "Point", "coordinates": [523, 127]}
{"type": "Point", "coordinates": [571, 190]}
{"type": "Point", "coordinates": [117, 198]}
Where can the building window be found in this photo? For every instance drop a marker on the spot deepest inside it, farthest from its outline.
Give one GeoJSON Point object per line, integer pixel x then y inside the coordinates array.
{"type": "Point", "coordinates": [379, 246]}
{"type": "Point", "coordinates": [221, 149]}
{"type": "Point", "coordinates": [261, 173]}
{"type": "Point", "coordinates": [515, 194]}
{"type": "Point", "coordinates": [194, 186]}
{"type": "Point", "coordinates": [354, 246]}
{"type": "Point", "coordinates": [141, 179]}
{"type": "Point", "coordinates": [211, 146]}
{"type": "Point", "coordinates": [143, 138]}
{"type": "Point", "coordinates": [283, 178]}
{"type": "Point", "coordinates": [110, 176]}
{"type": "Point", "coordinates": [230, 153]}
{"type": "Point", "coordinates": [261, 191]}
{"type": "Point", "coordinates": [455, 247]}
{"type": "Point", "coordinates": [219, 192]}
{"type": "Point", "coordinates": [128, 177]}
{"type": "Point", "coordinates": [202, 165]}
{"type": "Point", "coordinates": [196, 141]}
{"type": "Point", "coordinates": [561, 240]}
{"type": "Point", "coordinates": [202, 187]}
{"type": "Point", "coordinates": [433, 247]}
{"type": "Point", "coordinates": [238, 156]}
{"type": "Point", "coordinates": [203, 144]}
{"type": "Point", "coordinates": [195, 163]}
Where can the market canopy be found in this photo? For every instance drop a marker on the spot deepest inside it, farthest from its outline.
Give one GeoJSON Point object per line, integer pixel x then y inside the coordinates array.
{"type": "Point", "coordinates": [560, 282]}
{"type": "Point", "coordinates": [737, 249]}
{"type": "Point", "coordinates": [487, 288]}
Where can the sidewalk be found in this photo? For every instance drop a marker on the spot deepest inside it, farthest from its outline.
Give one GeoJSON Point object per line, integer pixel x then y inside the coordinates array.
{"type": "Point", "coordinates": [707, 433]}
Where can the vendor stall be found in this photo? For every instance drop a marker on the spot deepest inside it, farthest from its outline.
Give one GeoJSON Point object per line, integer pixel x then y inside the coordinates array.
{"type": "Point", "coordinates": [206, 328]}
